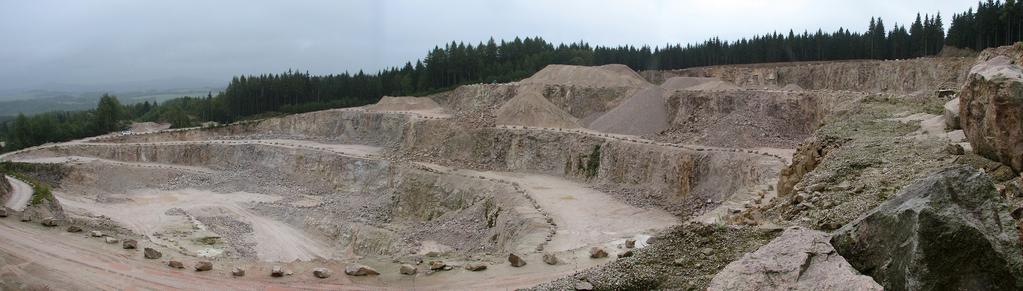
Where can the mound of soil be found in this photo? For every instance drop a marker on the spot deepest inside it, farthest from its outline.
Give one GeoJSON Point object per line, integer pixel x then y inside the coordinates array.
{"type": "Point", "coordinates": [389, 103]}
{"type": "Point", "coordinates": [530, 108]}
{"type": "Point", "coordinates": [641, 114]}
{"type": "Point", "coordinates": [680, 83]}
{"type": "Point", "coordinates": [602, 76]}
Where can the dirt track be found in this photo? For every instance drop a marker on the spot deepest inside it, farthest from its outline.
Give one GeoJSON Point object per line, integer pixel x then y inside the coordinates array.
{"type": "Point", "coordinates": [20, 196]}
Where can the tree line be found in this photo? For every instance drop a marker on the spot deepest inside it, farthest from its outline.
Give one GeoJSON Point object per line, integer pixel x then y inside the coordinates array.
{"type": "Point", "coordinates": [994, 23]}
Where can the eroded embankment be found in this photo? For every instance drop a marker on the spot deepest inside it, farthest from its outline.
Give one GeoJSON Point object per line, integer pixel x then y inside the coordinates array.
{"type": "Point", "coordinates": [905, 76]}
{"type": "Point", "coordinates": [370, 206]}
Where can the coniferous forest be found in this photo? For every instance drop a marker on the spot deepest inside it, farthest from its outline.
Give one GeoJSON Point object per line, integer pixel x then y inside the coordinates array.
{"type": "Point", "coordinates": [991, 24]}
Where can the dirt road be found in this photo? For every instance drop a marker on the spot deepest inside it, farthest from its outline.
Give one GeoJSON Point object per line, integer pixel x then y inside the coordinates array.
{"type": "Point", "coordinates": [20, 196]}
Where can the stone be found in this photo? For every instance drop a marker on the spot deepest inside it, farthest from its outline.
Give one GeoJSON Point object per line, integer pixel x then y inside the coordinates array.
{"type": "Point", "coordinates": [948, 231]}
{"type": "Point", "coordinates": [151, 254]}
{"type": "Point", "coordinates": [625, 254]}
{"type": "Point", "coordinates": [991, 106]}
{"type": "Point", "coordinates": [203, 266]}
{"type": "Point", "coordinates": [955, 149]}
{"type": "Point", "coordinates": [952, 114]}
{"type": "Point", "coordinates": [651, 240]}
{"type": "Point", "coordinates": [360, 270]}
{"type": "Point", "coordinates": [321, 273]}
{"type": "Point", "coordinates": [3, 211]}
{"type": "Point", "coordinates": [550, 259]}
{"type": "Point", "coordinates": [436, 265]}
{"type": "Point", "coordinates": [111, 240]}
{"type": "Point", "coordinates": [49, 222]}
{"type": "Point", "coordinates": [74, 229]}
{"type": "Point", "coordinates": [798, 259]}
{"type": "Point", "coordinates": [238, 272]}
{"type": "Point", "coordinates": [630, 243]}
{"type": "Point", "coordinates": [25, 217]}
{"type": "Point", "coordinates": [597, 252]}
{"type": "Point", "coordinates": [96, 233]}
{"type": "Point", "coordinates": [129, 244]}
{"type": "Point", "coordinates": [516, 261]}
{"type": "Point", "coordinates": [476, 267]}
{"type": "Point", "coordinates": [176, 264]}
{"type": "Point", "coordinates": [809, 154]}
{"type": "Point", "coordinates": [583, 285]}
{"type": "Point", "coordinates": [276, 271]}
{"type": "Point", "coordinates": [407, 269]}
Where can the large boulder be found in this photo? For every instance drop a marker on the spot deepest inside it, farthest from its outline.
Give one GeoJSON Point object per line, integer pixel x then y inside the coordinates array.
{"type": "Point", "coordinates": [952, 114]}
{"type": "Point", "coordinates": [203, 266]}
{"type": "Point", "coordinates": [991, 105]}
{"type": "Point", "coordinates": [948, 231]}
{"type": "Point", "coordinates": [151, 253]}
{"type": "Point", "coordinates": [799, 259]}
{"type": "Point", "coordinates": [516, 261]}
{"type": "Point", "coordinates": [360, 270]}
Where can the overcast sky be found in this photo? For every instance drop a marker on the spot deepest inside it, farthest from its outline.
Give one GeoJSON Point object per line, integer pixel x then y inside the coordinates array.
{"type": "Point", "coordinates": [45, 42]}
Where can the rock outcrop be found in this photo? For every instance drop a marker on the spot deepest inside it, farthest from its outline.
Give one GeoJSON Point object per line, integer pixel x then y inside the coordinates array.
{"type": "Point", "coordinates": [809, 154]}
{"type": "Point", "coordinates": [799, 259]}
{"type": "Point", "coordinates": [948, 231]}
{"type": "Point", "coordinates": [991, 105]}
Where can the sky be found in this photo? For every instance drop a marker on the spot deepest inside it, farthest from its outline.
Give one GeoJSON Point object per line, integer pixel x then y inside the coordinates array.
{"type": "Point", "coordinates": [107, 43]}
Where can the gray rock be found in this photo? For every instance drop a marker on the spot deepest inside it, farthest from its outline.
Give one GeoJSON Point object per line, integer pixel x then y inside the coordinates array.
{"type": "Point", "coordinates": [238, 272]}
{"type": "Point", "coordinates": [74, 229]}
{"type": "Point", "coordinates": [597, 252]}
{"type": "Point", "coordinates": [407, 269]}
{"type": "Point", "coordinates": [3, 211]}
{"type": "Point", "coordinates": [476, 267]}
{"type": "Point", "coordinates": [276, 271]}
{"type": "Point", "coordinates": [151, 254]}
{"type": "Point", "coordinates": [550, 259]}
{"type": "Point", "coordinates": [952, 114]}
{"type": "Point", "coordinates": [625, 254]}
{"type": "Point", "coordinates": [111, 240]}
{"type": "Point", "coordinates": [49, 222]}
{"type": "Point", "coordinates": [436, 265]}
{"type": "Point", "coordinates": [129, 244]}
{"type": "Point", "coordinates": [516, 261]}
{"type": "Point", "coordinates": [321, 273]}
{"type": "Point", "coordinates": [176, 264]}
{"type": "Point", "coordinates": [630, 243]}
{"type": "Point", "coordinates": [583, 286]}
{"type": "Point", "coordinates": [203, 266]}
{"type": "Point", "coordinates": [25, 217]}
{"type": "Point", "coordinates": [799, 259]}
{"type": "Point", "coordinates": [948, 231]}
{"type": "Point", "coordinates": [360, 270]}
{"type": "Point", "coordinates": [96, 233]}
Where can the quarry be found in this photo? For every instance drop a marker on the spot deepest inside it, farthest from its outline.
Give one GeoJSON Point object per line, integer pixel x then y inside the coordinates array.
{"type": "Point", "coordinates": [794, 176]}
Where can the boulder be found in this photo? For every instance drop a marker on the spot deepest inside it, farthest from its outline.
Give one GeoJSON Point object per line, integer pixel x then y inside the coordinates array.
{"type": "Point", "coordinates": [630, 243]}
{"type": "Point", "coordinates": [948, 231]}
{"type": "Point", "coordinates": [516, 261]}
{"type": "Point", "coordinates": [49, 222]}
{"type": "Point", "coordinates": [799, 259]}
{"type": "Point", "coordinates": [151, 254]}
{"type": "Point", "coordinates": [407, 269]}
{"type": "Point", "coordinates": [597, 252]}
{"type": "Point", "coordinates": [3, 211]}
{"type": "Point", "coordinates": [321, 273]}
{"type": "Point", "coordinates": [360, 270]}
{"type": "Point", "coordinates": [625, 254]}
{"type": "Point", "coordinates": [583, 286]}
{"type": "Point", "coordinates": [74, 229]}
{"type": "Point", "coordinates": [550, 259]}
{"type": "Point", "coordinates": [991, 106]}
{"type": "Point", "coordinates": [952, 114]}
{"type": "Point", "coordinates": [96, 233]}
{"type": "Point", "coordinates": [111, 240]}
{"type": "Point", "coordinates": [276, 271]}
{"type": "Point", "coordinates": [203, 266]}
{"type": "Point", "coordinates": [129, 244]}
{"type": "Point", "coordinates": [437, 265]}
{"type": "Point", "coordinates": [176, 264]}
{"type": "Point", "coordinates": [476, 267]}
{"type": "Point", "coordinates": [238, 272]}
{"type": "Point", "coordinates": [25, 217]}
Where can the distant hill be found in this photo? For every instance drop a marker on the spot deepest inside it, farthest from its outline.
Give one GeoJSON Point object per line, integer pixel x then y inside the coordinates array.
{"type": "Point", "coordinates": [38, 101]}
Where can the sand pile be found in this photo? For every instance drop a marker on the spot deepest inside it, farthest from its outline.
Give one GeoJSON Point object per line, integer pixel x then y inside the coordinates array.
{"type": "Point", "coordinates": [680, 83]}
{"type": "Point", "coordinates": [641, 114]}
{"type": "Point", "coordinates": [389, 103]}
{"type": "Point", "coordinates": [792, 87]}
{"type": "Point", "coordinates": [602, 76]}
{"type": "Point", "coordinates": [530, 108]}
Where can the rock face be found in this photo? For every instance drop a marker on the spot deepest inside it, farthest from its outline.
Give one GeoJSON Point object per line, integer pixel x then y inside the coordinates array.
{"type": "Point", "coordinates": [130, 244]}
{"type": "Point", "coordinates": [799, 259]}
{"type": "Point", "coordinates": [203, 266]}
{"type": "Point", "coordinates": [516, 261]}
{"type": "Point", "coordinates": [360, 270]}
{"type": "Point", "coordinates": [321, 273]}
{"type": "Point", "coordinates": [991, 105]}
{"type": "Point", "coordinates": [407, 269]}
{"type": "Point", "coordinates": [597, 252]}
{"type": "Point", "coordinates": [948, 231]}
{"type": "Point", "coordinates": [151, 254]}
{"type": "Point", "coordinates": [807, 157]}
